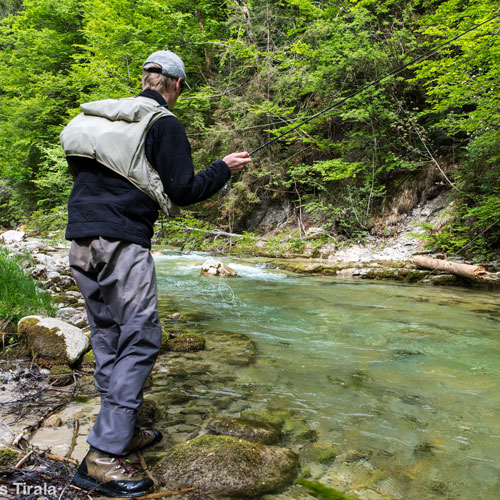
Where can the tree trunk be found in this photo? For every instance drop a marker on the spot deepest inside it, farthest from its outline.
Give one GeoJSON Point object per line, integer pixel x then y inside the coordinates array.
{"type": "Point", "coordinates": [463, 270]}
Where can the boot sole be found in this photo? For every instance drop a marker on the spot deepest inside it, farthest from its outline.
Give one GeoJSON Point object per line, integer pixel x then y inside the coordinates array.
{"type": "Point", "coordinates": [86, 482]}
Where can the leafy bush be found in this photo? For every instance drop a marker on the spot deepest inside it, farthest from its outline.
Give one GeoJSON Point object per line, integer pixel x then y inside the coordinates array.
{"type": "Point", "coordinates": [48, 222]}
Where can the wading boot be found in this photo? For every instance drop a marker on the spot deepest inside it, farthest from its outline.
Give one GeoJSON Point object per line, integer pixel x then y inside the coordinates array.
{"type": "Point", "coordinates": [144, 438]}
{"type": "Point", "coordinates": [111, 475]}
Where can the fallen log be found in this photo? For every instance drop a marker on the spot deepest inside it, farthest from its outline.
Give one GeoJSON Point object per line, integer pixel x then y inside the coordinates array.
{"type": "Point", "coordinates": [456, 268]}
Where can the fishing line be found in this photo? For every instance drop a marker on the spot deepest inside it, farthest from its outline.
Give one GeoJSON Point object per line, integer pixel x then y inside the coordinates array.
{"type": "Point", "coordinates": [373, 83]}
{"type": "Point", "coordinates": [232, 300]}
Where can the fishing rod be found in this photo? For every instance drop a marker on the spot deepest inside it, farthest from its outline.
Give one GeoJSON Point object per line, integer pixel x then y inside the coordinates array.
{"type": "Point", "coordinates": [373, 83]}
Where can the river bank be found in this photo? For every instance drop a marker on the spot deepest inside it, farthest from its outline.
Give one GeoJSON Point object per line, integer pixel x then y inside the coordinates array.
{"type": "Point", "coordinates": [386, 256]}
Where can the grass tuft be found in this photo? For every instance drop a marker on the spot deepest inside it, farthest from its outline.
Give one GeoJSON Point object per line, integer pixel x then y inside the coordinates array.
{"type": "Point", "coordinates": [19, 293]}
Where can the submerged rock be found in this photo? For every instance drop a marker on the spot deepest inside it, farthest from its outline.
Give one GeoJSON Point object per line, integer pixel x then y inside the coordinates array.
{"type": "Point", "coordinates": [251, 430]}
{"type": "Point", "coordinates": [52, 341]}
{"type": "Point", "coordinates": [224, 465]}
{"type": "Point", "coordinates": [231, 348]}
{"type": "Point", "coordinates": [294, 428]}
{"type": "Point", "coordinates": [298, 430]}
{"type": "Point", "coordinates": [186, 342]}
{"type": "Point", "coordinates": [323, 452]}
{"type": "Point", "coordinates": [216, 268]}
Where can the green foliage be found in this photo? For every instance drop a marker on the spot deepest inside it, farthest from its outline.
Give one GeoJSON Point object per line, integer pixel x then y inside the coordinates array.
{"type": "Point", "coordinates": [285, 243]}
{"type": "Point", "coordinates": [462, 92]}
{"type": "Point", "coordinates": [19, 294]}
{"type": "Point", "coordinates": [9, 6]}
{"type": "Point", "coordinates": [246, 245]}
{"type": "Point", "coordinates": [257, 68]}
{"type": "Point", "coordinates": [48, 223]}
{"type": "Point", "coordinates": [193, 234]}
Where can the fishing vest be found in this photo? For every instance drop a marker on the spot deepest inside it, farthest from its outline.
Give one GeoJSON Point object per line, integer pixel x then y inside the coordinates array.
{"type": "Point", "coordinates": [113, 132]}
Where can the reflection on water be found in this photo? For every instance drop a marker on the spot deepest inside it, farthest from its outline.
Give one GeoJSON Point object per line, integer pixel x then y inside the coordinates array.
{"type": "Point", "coordinates": [407, 375]}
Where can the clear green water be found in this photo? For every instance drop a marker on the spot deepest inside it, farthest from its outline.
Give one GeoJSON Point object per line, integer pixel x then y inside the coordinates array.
{"type": "Point", "coordinates": [407, 376]}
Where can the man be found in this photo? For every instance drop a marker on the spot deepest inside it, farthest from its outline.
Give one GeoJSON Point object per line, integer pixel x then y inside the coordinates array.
{"type": "Point", "coordinates": [129, 157]}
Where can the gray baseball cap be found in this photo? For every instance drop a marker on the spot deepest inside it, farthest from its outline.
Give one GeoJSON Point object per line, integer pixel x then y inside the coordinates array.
{"type": "Point", "coordinates": [171, 65]}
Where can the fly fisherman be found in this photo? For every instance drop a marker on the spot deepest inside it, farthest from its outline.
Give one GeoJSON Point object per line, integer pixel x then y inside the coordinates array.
{"type": "Point", "coordinates": [129, 157]}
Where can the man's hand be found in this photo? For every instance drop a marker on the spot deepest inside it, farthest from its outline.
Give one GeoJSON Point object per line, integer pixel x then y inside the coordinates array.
{"type": "Point", "coordinates": [236, 161]}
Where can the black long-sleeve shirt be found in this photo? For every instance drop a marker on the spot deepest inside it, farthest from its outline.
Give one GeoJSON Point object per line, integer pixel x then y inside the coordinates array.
{"type": "Point", "coordinates": [104, 203]}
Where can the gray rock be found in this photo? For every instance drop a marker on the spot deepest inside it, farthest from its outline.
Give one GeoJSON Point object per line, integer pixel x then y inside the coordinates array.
{"type": "Point", "coordinates": [73, 316]}
{"type": "Point", "coordinates": [62, 282]}
{"type": "Point", "coordinates": [224, 465]}
{"type": "Point", "coordinates": [39, 271]}
{"type": "Point", "coordinates": [216, 268]}
{"type": "Point", "coordinates": [53, 341]}
{"type": "Point", "coordinates": [34, 244]}
{"type": "Point", "coordinates": [11, 237]}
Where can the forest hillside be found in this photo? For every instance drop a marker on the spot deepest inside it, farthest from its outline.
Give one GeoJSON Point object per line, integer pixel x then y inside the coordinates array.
{"type": "Point", "coordinates": [258, 67]}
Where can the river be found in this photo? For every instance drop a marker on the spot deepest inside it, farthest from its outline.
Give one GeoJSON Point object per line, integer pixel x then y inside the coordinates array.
{"type": "Point", "coordinates": [403, 379]}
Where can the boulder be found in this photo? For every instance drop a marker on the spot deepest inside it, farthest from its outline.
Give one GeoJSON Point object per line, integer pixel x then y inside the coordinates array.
{"type": "Point", "coordinates": [10, 237]}
{"type": "Point", "coordinates": [228, 466]}
{"type": "Point", "coordinates": [251, 430]}
{"type": "Point", "coordinates": [216, 268]}
{"type": "Point", "coordinates": [52, 341]}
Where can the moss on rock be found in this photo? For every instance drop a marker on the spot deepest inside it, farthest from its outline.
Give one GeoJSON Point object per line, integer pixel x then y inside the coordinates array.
{"type": "Point", "coordinates": [8, 458]}
{"type": "Point", "coordinates": [60, 375]}
{"type": "Point", "coordinates": [186, 342]}
{"type": "Point", "coordinates": [251, 430]}
{"type": "Point", "coordinates": [224, 465]}
{"type": "Point", "coordinates": [322, 452]}
{"type": "Point", "coordinates": [147, 413]}
{"type": "Point", "coordinates": [231, 348]}
{"type": "Point", "coordinates": [298, 430]}
{"type": "Point", "coordinates": [86, 386]}
{"type": "Point", "coordinates": [268, 415]}
{"type": "Point", "coordinates": [178, 396]}
{"type": "Point", "coordinates": [164, 340]}
{"type": "Point", "coordinates": [67, 300]}
{"type": "Point", "coordinates": [88, 361]}
{"type": "Point", "coordinates": [320, 490]}
{"type": "Point", "coordinates": [52, 341]}
{"type": "Point", "coordinates": [44, 343]}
